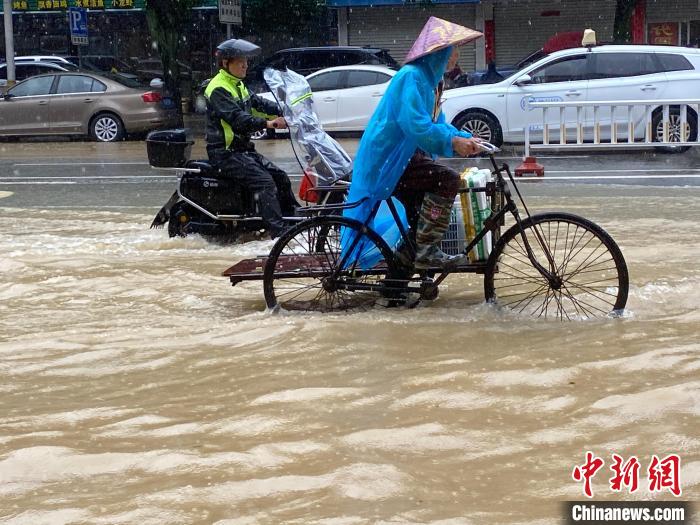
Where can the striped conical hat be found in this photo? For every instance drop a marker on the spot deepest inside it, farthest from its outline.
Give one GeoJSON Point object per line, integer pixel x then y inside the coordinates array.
{"type": "Point", "coordinates": [438, 34]}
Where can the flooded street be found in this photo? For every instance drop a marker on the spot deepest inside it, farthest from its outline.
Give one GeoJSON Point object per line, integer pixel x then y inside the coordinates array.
{"type": "Point", "coordinates": [139, 387]}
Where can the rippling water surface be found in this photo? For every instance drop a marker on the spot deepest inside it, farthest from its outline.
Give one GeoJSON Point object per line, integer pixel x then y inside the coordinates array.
{"type": "Point", "coordinates": [137, 386]}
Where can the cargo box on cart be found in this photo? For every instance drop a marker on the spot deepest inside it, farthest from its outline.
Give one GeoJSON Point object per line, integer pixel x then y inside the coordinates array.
{"type": "Point", "coordinates": [169, 148]}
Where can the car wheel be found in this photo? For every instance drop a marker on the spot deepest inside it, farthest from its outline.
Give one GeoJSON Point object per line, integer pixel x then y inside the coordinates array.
{"type": "Point", "coordinates": [106, 127]}
{"type": "Point", "coordinates": [481, 125]}
{"type": "Point", "coordinates": [674, 129]}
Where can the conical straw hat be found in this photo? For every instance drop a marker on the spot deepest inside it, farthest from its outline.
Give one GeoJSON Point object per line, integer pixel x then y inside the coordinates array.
{"type": "Point", "coordinates": [438, 34]}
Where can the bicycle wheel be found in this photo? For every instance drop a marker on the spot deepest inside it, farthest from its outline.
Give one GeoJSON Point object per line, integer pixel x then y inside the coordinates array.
{"type": "Point", "coordinates": [303, 271]}
{"type": "Point", "coordinates": [590, 271]}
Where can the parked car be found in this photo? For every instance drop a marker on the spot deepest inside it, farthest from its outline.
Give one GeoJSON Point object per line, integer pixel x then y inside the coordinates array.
{"type": "Point", "coordinates": [307, 60]}
{"type": "Point", "coordinates": [150, 68]}
{"type": "Point", "coordinates": [105, 107]}
{"type": "Point", "coordinates": [345, 97]}
{"type": "Point", "coordinates": [559, 41]}
{"type": "Point", "coordinates": [499, 112]}
{"type": "Point", "coordinates": [101, 63]}
{"type": "Point", "coordinates": [30, 68]}
{"type": "Point", "coordinates": [45, 58]}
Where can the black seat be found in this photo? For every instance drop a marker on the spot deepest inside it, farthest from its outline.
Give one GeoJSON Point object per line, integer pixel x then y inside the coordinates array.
{"type": "Point", "coordinates": [203, 165]}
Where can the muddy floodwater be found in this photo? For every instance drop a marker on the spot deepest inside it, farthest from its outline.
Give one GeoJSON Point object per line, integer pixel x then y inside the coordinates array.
{"type": "Point", "coordinates": [137, 386]}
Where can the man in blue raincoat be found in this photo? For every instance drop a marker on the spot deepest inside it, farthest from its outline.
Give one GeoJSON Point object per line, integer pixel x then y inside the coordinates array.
{"type": "Point", "coordinates": [397, 150]}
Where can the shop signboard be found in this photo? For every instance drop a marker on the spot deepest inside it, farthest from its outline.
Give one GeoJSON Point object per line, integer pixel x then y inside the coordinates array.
{"type": "Point", "coordinates": [20, 5]}
{"type": "Point", "coordinates": [52, 5]}
{"type": "Point", "coordinates": [663, 34]}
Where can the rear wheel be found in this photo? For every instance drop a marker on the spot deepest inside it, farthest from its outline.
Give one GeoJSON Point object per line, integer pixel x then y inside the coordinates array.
{"type": "Point", "coordinates": [308, 271]}
{"type": "Point", "coordinates": [481, 125]}
{"type": "Point", "coordinates": [589, 269]}
{"type": "Point", "coordinates": [106, 127]}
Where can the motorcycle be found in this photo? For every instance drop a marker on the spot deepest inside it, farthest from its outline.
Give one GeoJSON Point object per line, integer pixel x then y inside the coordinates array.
{"type": "Point", "coordinates": [222, 210]}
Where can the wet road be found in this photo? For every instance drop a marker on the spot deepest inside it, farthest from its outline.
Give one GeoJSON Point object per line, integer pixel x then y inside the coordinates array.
{"type": "Point", "coordinates": [139, 387]}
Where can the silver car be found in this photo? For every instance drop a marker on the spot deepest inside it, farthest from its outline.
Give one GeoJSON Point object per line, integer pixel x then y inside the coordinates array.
{"type": "Point", "coordinates": [105, 107]}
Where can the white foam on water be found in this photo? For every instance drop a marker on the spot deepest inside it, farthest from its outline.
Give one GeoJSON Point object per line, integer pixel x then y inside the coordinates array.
{"type": "Point", "coordinates": [650, 404]}
{"type": "Point", "coordinates": [529, 377]}
{"type": "Point", "coordinates": [49, 517]}
{"type": "Point", "coordinates": [306, 395]}
{"type": "Point", "coordinates": [359, 481]}
{"type": "Point", "coordinates": [420, 438]}
{"type": "Point", "coordinates": [441, 398]}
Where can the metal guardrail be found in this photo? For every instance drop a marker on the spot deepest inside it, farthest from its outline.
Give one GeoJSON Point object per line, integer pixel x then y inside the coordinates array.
{"type": "Point", "coordinates": [588, 134]}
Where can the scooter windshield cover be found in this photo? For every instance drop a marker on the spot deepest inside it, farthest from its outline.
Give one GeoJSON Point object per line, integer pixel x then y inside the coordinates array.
{"type": "Point", "coordinates": [322, 154]}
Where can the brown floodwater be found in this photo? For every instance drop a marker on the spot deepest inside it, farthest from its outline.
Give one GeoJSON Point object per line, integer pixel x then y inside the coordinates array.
{"type": "Point", "coordinates": [137, 386]}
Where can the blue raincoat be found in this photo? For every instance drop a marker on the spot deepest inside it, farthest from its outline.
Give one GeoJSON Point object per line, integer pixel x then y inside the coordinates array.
{"type": "Point", "coordinates": [401, 124]}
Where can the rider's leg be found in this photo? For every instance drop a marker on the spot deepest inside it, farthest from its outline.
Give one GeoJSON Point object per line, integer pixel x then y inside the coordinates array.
{"type": "Point", "coordinates": [287, 200]}
{"type": "Point", "coordinates": [246, 169]}
{"type": "Point", "coordinates": [438, 185]}
{"type": "Point", "coordinates": [433, 222]}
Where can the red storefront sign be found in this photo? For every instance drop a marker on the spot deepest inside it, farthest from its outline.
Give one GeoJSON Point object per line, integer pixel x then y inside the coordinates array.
{"type": "Point", "coordinates": [663, 34]}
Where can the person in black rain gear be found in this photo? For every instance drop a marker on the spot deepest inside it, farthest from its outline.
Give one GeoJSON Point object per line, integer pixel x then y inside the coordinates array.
{"type": "Point", "coordinates": [233, 115]}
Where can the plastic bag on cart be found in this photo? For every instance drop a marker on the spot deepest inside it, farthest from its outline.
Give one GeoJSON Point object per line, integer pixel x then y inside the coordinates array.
{"type": "Point", "coordinates": [326, 161]}
{"type": "Point", "coordinates": [475, 210]}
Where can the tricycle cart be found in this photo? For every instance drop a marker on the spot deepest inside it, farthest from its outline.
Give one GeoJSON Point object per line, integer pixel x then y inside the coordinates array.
{"type": "Point", "coordinates": [549, 265]}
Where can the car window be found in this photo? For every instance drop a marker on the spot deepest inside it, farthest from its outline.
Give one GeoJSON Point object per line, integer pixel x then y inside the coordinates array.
{"type": "Point", "coordinates": [362, 78]}
{"type": "Point", "coordinates": [23, 71]}
{"type": "Point", "coordinates": [385, 58]}
{"type": "Point", "coordinates": [674, 62]}
{"type": "Point", "coordinates": [78, 84]}
{"type": "Point", "coordinates": [326, 81]}
{"type": "Point", "coordinates": [33, 87]}
{"type": "Point", "coordinates": [616, 65]}
{"type": "Point", "coordinates": [312, 61]}
{"type": "Point", "coordinates": [563, 70]}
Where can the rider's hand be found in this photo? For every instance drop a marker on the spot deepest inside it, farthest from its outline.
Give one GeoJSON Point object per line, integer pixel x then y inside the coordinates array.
{"type": "Point", "coordinates": [465, 147]}
{"type": "Point", "coordinates": [278, 123]}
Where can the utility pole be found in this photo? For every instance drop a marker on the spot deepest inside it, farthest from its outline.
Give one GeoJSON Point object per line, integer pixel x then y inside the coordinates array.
{"type": "Point", "coordinates": [9, 42]}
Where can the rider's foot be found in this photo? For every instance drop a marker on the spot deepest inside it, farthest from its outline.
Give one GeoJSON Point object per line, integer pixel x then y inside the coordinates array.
{"type": "Point", "coordinates": [433, 221]}
{"type": "Point", "coordinates": [433, 257]}
{"type": "Point", "coordinates": [404, 256]}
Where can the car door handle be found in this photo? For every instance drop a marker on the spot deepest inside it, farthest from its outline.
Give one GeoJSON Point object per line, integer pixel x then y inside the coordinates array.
{"type": "Point", "coordinates": [330, 99]}
{"type": "Point", "coordinates": [88, 100]}
{"type": "Point", "coordinates": [376, 94]}
{"type": "Point", "coordinates": [43, 102]}
{"type": "Point", "coordinates": [573, 93]}
{"type": "Point", "coordinates": [649, 87]}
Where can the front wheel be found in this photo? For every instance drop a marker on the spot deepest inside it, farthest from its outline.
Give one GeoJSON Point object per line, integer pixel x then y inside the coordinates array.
{"type": "Point", "coordinates": [590, 273]}
{"type": "Point", "coordinates": [674, 129]}
{"type": "Point", "coordinates": [308, 271]}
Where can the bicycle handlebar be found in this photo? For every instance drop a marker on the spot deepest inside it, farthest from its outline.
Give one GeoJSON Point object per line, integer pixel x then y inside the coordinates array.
{"type": "Point", "coordinates": [488, 147]}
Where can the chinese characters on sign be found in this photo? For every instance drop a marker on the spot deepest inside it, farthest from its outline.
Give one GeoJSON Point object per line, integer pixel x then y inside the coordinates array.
{"type": "Point", "coordinates": [46, 5]}
{"type": "Point", "coordinates": [123, 4]}
{"type": "Point", "coordinates": [664, 34]}
{"type": "Point", "coordinates": [19, 5]}
{"type": "Point", "coordinates": [662, 474]}
{"type": "Point", "coordinates": [92, 4]}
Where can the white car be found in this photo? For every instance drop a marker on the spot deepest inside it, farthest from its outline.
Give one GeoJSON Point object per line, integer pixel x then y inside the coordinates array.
{"type": "Point", "coordinates": [500, 112]}
{"type": "Point", "coordinates": [345, 97]}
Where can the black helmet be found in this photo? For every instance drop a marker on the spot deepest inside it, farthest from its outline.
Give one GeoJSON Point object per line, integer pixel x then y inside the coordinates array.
{"type": "Point", "coordinates": [236, 47]}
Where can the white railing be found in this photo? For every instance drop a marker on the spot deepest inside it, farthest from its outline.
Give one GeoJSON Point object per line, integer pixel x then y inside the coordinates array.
{"type": "Point", "coordinates": [629, 123]}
